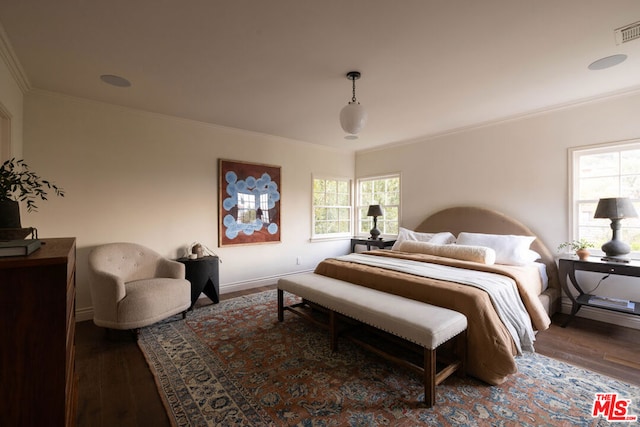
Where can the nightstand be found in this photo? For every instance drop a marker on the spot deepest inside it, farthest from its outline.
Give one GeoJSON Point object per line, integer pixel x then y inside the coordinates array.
{"type": "Point", "coordinates": [569, 266]}
{"type": "Point", "coordinates": [203, 275]}
{"type": "Point", "coordinates": [380, 243]}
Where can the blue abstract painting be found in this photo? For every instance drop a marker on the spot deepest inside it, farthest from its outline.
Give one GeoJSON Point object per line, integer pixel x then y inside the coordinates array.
{"type": "Point", "coordinates": [249, 203]}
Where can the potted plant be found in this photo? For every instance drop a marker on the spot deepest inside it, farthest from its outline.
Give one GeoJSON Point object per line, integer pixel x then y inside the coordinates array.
{"type": "Point", "coordinates": [580, 247]}
{"type": "Point", "coordinates": [19, 184]}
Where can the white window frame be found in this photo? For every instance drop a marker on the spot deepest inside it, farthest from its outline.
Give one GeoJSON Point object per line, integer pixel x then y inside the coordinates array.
{"type": "Point", "coordinates": [359, 207]}
{"type": "Point", "coordinates": [349, 206]}
{"type": "Point", "coordinates": [575, 154]}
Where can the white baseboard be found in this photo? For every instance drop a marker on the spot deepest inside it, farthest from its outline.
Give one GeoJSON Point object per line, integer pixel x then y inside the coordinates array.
{"type": "Point", "coordinates": [83, 314]}
{"type": "Point", "coordinates": [607, 316]}
{"type": "Point", "coordinates": [255, 283]}
{"type": "Point", "coordinates": [627, 320]}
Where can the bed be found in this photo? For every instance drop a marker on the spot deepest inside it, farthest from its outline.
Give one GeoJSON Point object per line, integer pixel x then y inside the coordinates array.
{"type": "Point", "coordinates": [493, 339]}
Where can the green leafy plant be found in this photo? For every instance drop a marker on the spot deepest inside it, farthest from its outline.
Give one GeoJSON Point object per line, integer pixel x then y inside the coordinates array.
{"type": "Point", "coordinates": [576, 245]}
{"type": "Point", "coordinates": [18, 183]}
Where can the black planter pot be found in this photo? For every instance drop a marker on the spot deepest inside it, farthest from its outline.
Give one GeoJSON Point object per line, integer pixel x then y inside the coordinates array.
{"type": "Point", "coordinates": [9, 214]}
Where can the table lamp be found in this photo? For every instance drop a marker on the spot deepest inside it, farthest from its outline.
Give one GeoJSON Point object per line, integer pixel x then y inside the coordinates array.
{"type": "Point", "coordinates": [375, 211]}
{"type": "Point", "coordinates": [615, 208]}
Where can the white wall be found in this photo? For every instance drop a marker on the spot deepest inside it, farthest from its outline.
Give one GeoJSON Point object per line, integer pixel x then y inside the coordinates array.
{"type": "Point", "coordinates": [518, 167]}
{"type": "Point", "coordinates": [152, 179]}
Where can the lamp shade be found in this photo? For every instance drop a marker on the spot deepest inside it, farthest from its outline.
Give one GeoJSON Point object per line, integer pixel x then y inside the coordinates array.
{"type": "Point", "coordinates": [353, 117]}
{"type": "Point", "coordinates": [375, 210]}
{"type": "Point", "coordinates": [615, 208]}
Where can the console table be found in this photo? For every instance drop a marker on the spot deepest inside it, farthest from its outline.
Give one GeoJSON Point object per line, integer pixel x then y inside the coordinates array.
{"type": "Point", "coordinates": [380, 243]}
{"type": "Point", "coordinates": [203, 275]}
{"type": "Point", "coordinates": [567, 267]}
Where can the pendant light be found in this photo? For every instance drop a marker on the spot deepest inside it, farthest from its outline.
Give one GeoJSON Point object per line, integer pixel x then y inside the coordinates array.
{"type": "Point", "coordinates": [353, 116]}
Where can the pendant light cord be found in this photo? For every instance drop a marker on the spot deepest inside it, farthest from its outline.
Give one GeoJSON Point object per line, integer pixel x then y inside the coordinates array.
{"type": "Point", "coordinates": [353, 81]}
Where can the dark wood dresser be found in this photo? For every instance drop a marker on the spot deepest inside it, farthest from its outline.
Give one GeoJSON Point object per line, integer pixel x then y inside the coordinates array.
{"type": "Point", "coordinates": [38, 382]}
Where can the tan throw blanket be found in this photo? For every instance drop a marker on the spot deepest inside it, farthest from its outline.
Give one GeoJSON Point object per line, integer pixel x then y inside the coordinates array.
{"type": "Point", "coordinates": [501, 289]}
{"type": "Point", "coordinates": [490, 345]}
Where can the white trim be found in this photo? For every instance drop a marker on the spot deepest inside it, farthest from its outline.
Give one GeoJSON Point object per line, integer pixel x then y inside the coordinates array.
{"type": "Point", "coordinates": [6, 145]}
{"type": "Point", "coordinates": [256, 283]}
{"type": "Point", "coordinates": [573, 155]}
{"type": "Point", "coordinates": [332, 238]}
{"type": "Point", "coordinates": [339, 235]}
{"type": "Point", "coordinates": [571, 183]}
{"type": "Point", "coordinates": [83, 314]}
{"type": "Point", "coordinates": [356, 218]}
{"type": "Point", "coordinates": [377, 177]}
{"type": "Point", "coordinates": [620, 319]}
{"type": "Point", "coordinates": [194, 122]}
{"type": "Point", "coordinates": [606, 316]}
{"type": "Point", "coordinates": [630, 91]}
{"type": "Point", "coordinates": [10, 58]}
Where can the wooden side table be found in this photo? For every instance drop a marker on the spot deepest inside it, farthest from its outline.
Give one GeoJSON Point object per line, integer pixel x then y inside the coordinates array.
{"type": "Point", "coordinates": [380, 243]}
{"type": "Point", "coordinates": [567, 267]}
{"type": "Point", "coordinates": [204, 278]}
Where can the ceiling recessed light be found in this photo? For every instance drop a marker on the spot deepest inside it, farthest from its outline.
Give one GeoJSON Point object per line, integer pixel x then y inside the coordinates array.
{"type": "Point", "coordinates": [114, 80]}
{"type": "Point", "coordinates": [607, 62]}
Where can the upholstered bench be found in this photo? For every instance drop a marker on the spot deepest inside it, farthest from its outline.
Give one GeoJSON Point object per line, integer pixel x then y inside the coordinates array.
{"type": "Point", "coordinates": [423, 324]}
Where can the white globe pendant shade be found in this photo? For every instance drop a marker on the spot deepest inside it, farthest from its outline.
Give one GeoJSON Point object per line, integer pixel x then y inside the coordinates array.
{"type": "Point", "coordinates": [353, 117]}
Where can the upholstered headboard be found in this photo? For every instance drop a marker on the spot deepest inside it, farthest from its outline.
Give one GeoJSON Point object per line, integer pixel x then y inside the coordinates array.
{"type": "Point", "coordinates": [481, 220]}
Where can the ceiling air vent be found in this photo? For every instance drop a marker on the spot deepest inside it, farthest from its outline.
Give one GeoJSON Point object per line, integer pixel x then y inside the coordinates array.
{"type": "Point", "coordinates": [628, 33]}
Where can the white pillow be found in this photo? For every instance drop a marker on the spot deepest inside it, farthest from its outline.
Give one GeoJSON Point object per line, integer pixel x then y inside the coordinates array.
{"type": "Point", "coordinates": [478, 254]}
{"type": "Point", "coordinates": [532, 256]}
{"type": "Point", "coordinates": [510, 249]}
{"type": "Point", "coordinates": [439, 238]}
{"type": "Point", "coordinates": [544, 277]}
{"type": "Point", "coordinates": [443, 238]}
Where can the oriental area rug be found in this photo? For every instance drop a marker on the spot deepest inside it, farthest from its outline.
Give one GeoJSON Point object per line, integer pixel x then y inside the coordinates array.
{"type": "Point", "coordinates": [234, 364]}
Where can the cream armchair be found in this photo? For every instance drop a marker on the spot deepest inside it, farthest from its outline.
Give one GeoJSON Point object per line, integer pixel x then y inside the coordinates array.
{"type": "Point", "coordinates": [133, 286]}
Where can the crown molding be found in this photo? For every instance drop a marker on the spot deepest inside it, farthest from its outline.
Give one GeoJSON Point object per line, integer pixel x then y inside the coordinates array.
{"type": "Point", "coordinates": [629, 91]}
{"type": "Point", "coordinates": [13, 64]}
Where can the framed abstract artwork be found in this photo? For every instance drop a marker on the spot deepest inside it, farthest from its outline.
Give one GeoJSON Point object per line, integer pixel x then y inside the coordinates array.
{"type": "Point", "coordinates": [249, 203]}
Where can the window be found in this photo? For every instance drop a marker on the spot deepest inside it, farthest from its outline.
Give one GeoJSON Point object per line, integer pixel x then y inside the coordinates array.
{"type": "Point", "coordinates": [246, 208]}
{"type": "Point", "coordinates": [331, 207]}
{"type": "Point", "coordinates": [611, 170]}
{"type": "Point", "coordinates": [263, 209]}
{"type": "Point", "coordinates": [382, 190]}
{"type": "Point", "coordinates": [248, 211]}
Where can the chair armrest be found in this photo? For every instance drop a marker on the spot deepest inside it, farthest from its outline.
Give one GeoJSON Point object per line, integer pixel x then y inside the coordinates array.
{"type": "Point", "coordinates": [107, 286]}
{"type": "Point", "coordinates": [170, 269]}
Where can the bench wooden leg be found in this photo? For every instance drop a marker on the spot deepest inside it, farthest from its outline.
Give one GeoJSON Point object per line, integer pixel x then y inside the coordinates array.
{"type": "Point", "coordinates": [429, 377]}
{"type": "Point", "coordinates": [333, 330]}
{"type": "Point", "coordinates": [433, 377]}
{"type": "Point", "coordinates": [280, 305]}
{"type": "Point", "coordinates": [461, 353]}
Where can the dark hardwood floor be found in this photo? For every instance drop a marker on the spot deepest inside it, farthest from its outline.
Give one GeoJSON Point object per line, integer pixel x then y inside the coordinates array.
{"type": "Point", "coordinates": [117, 389]}
{"type": "Point", "coordinates": [601, 347]}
